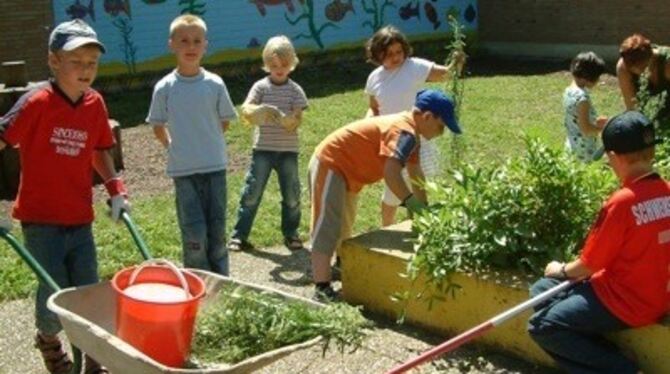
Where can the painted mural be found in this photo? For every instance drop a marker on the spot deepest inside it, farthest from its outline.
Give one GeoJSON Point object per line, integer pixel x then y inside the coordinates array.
{"type": "Point", "coordinates": [135, 31]}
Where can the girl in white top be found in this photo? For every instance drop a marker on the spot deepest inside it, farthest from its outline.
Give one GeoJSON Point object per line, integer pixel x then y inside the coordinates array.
{"type": "Point", "coordinates": [582, 124]}
{"type": "Point", "coordinates": [392, 88]}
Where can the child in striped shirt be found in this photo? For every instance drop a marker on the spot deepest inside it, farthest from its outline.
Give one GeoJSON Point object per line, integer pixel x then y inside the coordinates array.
{"type": "Point", "coordinates": [274, 106]}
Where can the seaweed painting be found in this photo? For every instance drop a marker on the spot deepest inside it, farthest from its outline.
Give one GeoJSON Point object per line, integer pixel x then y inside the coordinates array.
{"type": "Point", "coordinates": [192, 7]}
{"type": "Point", "coordinates": [308, 16]}
{"type": "Point", "coordinates": [376, 10]}
{"type": "Point", "coordinates": [127, 46]}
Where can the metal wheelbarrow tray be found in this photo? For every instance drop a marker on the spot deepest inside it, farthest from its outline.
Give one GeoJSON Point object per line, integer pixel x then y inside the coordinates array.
{"type": "Point", "coordinates": [88, 316]}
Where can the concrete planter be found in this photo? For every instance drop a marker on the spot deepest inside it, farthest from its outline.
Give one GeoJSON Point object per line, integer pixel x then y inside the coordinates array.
{"type": "Point", "coordinates": [371, 264]}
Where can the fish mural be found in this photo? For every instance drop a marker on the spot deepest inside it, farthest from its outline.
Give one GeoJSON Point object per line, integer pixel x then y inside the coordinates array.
{"type": "Point", "coordinates": [261, 4]}
{"type": "Point", "coordinates": [253, 43]}
{"type": "Point", "coordinates": [431, 14]}
{"type": "Point", "coordinates": [470, 14]}
{"type": "Point", "coordinates": [406, 11]}
{"type": "Point", "coordinates": [79, 10]}
{"type": "Point", "coordinates": [115, 7]}
{"type": "Point", "coordinates": [152, 2]}
{"type": "Point", "coordinates": [336, 10]}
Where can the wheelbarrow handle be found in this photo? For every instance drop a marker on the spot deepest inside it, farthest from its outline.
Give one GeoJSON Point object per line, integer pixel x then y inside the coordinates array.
{"type": "Point", "coordinates": [144, 250]}
{"type": "Point", "coordinates": [29, 259]}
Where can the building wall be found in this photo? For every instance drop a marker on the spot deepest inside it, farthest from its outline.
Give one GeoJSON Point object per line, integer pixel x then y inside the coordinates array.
{"type": "Point", "coordinates": [532, 24]}
{"type": "Point", "coordinates": [136, 32]}
{"type": "Point", "coordinates": [25, 29]}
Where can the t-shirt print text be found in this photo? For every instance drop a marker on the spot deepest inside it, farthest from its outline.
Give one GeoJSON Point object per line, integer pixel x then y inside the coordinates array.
{"type": "Point", "coordinates": [68, 142]}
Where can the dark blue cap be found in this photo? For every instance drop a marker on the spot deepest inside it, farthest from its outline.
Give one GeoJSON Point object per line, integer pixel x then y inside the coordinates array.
{"type": "Point", "coordinates": [71, 35]}
{"type": "Point", "coordinates": [629, 132]}
{"type": "Point", "coordinates": [439, 104]}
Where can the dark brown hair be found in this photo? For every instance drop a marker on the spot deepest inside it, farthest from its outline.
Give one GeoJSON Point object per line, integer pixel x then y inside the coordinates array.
{"type": "Point", "coordinates": [587, 65]}
{"type": "Point", "coordinates": [376, 46]}
{"type": "Point", "coordinates": [635, 50]}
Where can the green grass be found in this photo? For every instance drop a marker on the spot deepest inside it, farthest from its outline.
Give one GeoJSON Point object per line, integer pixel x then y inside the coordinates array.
{"type": "Point", "coordinates": [497, 110]}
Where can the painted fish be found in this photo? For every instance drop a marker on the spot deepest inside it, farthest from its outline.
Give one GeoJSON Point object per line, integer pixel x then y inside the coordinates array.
{"type": "Point", "coordinates": [406, 11]}
{"type": "Point", "coordinates": [336, 10]}
{"type": "Point", "coordinates": [253, 43]}
{"type": "Point", "coordinates": [431, 14]}
{"type": "Point", "coordinates": [470, 13]}
{"type": "Point", "coordinates": [78, 10]}
{"type": "Point", "coordinates": [114, 7]}
{"type": "Point", "coordinates": [261, 4]}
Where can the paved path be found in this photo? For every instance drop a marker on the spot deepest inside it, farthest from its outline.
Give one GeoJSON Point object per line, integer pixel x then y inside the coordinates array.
{"type": "Point", "coordinates": [278, 268]}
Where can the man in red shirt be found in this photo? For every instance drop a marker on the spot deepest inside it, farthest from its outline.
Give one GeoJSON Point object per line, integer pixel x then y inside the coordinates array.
{"type": "Point", "coordinates": [622, 273]}
{"type": "Point", "coordinates": [363, 153]}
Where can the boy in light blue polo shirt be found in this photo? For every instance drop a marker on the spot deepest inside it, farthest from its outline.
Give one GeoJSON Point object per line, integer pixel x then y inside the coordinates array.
{"type": "Point", "coordinates": [190, 111]}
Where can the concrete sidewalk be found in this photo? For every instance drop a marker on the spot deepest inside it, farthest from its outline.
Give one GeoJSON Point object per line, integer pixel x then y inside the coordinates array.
{"type": "Point", "coordinates": [278, 268]}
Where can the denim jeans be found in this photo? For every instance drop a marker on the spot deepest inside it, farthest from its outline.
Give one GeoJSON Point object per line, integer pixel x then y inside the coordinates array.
{"type": "Point", "coordinates": [262, 164]}
{"type": "Point", "coordinates": [67, 253]}
{"type": "Point", "coordinates": [570, 328]}
{"type": "Point", "coordinates": [201, 213]}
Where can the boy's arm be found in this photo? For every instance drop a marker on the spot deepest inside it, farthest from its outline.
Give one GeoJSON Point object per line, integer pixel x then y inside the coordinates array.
{"type": "Point", "coordinates": [418, 181]}
{"type": "Point", "coordinates": [373, 107]}
{"type": "Point", "coordinates": [225, 125]}
{"type": "Point", "coordinates": [439, 73]}
{"type": "Point", "coordinates": [162, 134]}
{"type": "Point", "coordinates": [626, 85]}
{"type": "Point", "coordinates": [396, 183]}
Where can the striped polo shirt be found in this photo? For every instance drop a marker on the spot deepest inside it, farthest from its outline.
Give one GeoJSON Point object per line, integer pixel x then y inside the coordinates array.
{"type": "Point", "coordinates": [287, 97]}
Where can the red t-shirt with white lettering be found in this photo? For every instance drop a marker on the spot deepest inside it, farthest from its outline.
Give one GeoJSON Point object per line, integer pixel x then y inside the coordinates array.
{"type": "Point", "coordinates": [56, 140]}
{"type": "Point", "coordinates": [628, 249]}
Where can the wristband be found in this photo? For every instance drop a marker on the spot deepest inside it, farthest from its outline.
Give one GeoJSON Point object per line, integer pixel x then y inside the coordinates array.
{"type": "Point", "coordinates": [563, 273]}
{"type": "Point", "coordinates": [115, 187]}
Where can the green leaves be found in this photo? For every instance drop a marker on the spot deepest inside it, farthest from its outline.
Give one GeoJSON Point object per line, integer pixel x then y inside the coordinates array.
{"type": "Point", "coordinates": [244, 323]}
{"type": "Point", "coordinates": [518, 216]}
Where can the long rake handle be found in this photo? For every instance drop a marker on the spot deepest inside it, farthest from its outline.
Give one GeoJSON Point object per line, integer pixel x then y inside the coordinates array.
{"type": "Point", "coordinates": [479, 330]}
{"type": "Point", "coordinates": [30, 260]}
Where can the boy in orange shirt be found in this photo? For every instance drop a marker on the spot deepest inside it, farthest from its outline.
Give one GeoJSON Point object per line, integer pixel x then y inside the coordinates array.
{"type": "Point", "coordinates": [623, 270]}
{"type": "Point", "coordinates": [363, 153]}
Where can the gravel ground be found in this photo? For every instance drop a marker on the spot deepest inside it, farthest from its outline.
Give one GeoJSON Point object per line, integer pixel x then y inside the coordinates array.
{"type": "Point", "coordinates": [387, 345]}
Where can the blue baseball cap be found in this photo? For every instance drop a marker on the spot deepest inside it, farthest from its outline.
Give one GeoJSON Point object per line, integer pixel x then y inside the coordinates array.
{"type": "Point", "coordinates": [71, 35]}
{"type": "Point", "coordinates": [439, 104]}
{"type": "Point", "coordinates": [629, 132]}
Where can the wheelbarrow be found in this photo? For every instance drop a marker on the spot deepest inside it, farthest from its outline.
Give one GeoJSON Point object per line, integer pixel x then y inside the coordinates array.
{"type": "Point", "coordinates": [88, 316]}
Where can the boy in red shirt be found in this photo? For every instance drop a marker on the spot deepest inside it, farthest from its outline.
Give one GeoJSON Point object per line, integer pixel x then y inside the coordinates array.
{"type": "Point", "coordinates": [363, 153]}
{"type": "Point", "coordinates": [62, 132]}
{"type": "Point", "coordinates": [623, 269]}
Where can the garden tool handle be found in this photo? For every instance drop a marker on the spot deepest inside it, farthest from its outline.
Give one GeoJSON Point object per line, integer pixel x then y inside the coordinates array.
{"type": "Point", "coordinates": [144, 250]}
{"type": "Point", "coordinates": [178, 273]}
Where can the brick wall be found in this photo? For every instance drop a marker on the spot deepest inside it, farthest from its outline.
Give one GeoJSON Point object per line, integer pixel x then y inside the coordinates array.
{"type": "Point", "coordinates": [25, 29]}
{"type": "Point", "coordinates": [573, 21]}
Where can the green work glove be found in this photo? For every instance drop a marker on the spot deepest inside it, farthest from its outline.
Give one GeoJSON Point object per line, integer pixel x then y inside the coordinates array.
{"type": "Point", "coordinates": [413, 204]}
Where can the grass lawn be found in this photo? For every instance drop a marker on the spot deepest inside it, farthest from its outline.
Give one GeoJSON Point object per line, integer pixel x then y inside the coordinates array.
{"type": "Point", "coordinates": [497, 110]}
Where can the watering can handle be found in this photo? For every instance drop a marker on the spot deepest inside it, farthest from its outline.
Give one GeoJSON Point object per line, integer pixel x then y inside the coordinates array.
{"type": "Point", "coordinates": [166, 263]}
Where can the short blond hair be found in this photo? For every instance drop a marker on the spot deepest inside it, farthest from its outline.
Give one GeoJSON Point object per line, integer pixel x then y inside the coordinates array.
{"type": "Point", "coordinates": [187, 20]}
{"type": "Point", "coordinates": [281, 47]}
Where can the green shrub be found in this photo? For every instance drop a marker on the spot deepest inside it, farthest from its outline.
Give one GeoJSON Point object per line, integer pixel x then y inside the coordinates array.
{"type": "Point", "coordinates": [520, 215]}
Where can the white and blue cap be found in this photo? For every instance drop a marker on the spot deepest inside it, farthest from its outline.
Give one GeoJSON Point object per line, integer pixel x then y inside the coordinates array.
{"type": "Point", "coordinates": [439, 104]}
{"type": "Point", "coordinates": [71, 35]}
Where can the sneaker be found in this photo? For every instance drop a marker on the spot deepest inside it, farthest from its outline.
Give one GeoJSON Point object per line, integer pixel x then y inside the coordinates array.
{"type": "Point", "coordinates": [55, 358]}
{"type": "Point", "coordinates": [238, 245]}
{"type": "Point", "coordinates": [326, 295]}
{"type": "Point", "coordinates": [293, 243]}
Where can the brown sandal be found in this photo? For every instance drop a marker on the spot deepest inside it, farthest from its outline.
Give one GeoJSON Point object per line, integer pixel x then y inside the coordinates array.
{"type": "Point", "coordinates": [55, 358]}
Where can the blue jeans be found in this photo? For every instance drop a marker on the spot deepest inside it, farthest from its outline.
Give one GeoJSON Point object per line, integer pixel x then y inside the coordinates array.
{"type": "Point", "coordinates": [201, 213]}
{"type": "Point", "coordinates": [262, 164]}
{"type": "Point", "coordinates": [67, 253]}
{"type": "Point", "coordinates": [570, 328]}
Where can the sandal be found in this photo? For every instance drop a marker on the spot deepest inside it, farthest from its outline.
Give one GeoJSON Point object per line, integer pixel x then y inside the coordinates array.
{"type": "Point", "coordinates": [55, 358]}
{"type": "Point", "coordinates": [237, 245]}
{"type": "Point", "coordinates": [293, 243]}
